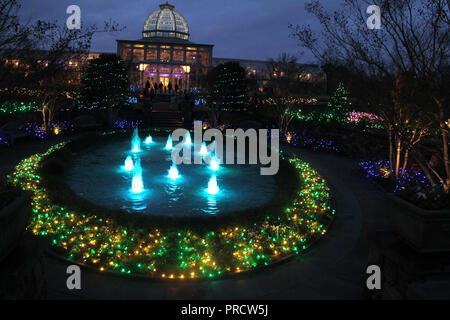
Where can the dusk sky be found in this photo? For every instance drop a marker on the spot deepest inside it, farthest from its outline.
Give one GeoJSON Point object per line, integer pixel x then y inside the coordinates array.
{"type": "Point", "coordinates": [245, 29]}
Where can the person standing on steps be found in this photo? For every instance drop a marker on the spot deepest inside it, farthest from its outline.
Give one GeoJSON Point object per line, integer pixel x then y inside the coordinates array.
{"type": "Point", "coordinates": [147, 88]}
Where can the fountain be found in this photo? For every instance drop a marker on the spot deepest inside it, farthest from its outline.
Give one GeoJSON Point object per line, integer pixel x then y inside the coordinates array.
{"type": "Point", "coordinates": [169, 144]}
{"type": "Point", "coordinates": [121, 216]}
{"type": "Point", "coordinates": [203, 149]}
{"type": "Point", "coordinates": [136, 141]}
{"type": "Point", "coordinates": [212, 186]}
{"type": "Point", "coordinates": [214, 165]}
{"type": "Point", "coordinates": [150, 183]}
{"type": "Point", "coordinates": [137, 186]}
{"type": "Point", "coordinates": [148, 140]}
{"type": "Point", "coordinates": [128, 164]}
{"type": "Point", "coordinates": [173, 173]}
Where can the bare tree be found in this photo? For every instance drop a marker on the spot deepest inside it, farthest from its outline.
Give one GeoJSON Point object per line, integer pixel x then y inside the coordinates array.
{"type": "Point", "coordinates": [13, 35]}
{"type": "Point", "coordinates": [285, 109]}
{"type": "Point", "coordinates": [284, 73]}
{"type": "Point", "coordinates": [50, 55]}
{"type": "Point", "coordinates": [409, 52]}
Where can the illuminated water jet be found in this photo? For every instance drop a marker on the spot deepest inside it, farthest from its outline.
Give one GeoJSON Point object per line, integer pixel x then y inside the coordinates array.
{"type": "Point", "coordinates": [203, 149]}
{"type": "Point", "coordinates": [149, 140]}
{"type": "Point", "coordinates": [214, 165]}
{"type": "Point", "coordinates": [169, 144]}
{"type": "Point", "coordinates": [136, 141]}
{"type": "Point", "coordinates": [212, 186]}
{"type": "Point", "coordinates": [188, 139]}
{"type": "Point", "coordinates": [137, 186]}
{"type": "Point", "coordinates": [173, 173]}
{"type": "Point", "coordinates": [128, 164]}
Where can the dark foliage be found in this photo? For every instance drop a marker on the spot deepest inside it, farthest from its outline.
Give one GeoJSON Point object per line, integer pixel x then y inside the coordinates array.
{"type": "Point", "coordinates": [105, 83]}
{"type": "Point", "coordinates": [228, 89]}
{"type": "Point", "coordinates": [8, 193]}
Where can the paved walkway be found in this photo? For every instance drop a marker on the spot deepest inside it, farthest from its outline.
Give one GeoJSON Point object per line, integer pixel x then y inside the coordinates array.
{"type": "Point", "coordinates": [10, 156]}
{"type": "Point", "coordinates": [333, 269]}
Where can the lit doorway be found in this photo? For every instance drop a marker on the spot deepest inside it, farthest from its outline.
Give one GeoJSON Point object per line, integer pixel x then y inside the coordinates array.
{"type": "Point", "coordinates": [165, 81]}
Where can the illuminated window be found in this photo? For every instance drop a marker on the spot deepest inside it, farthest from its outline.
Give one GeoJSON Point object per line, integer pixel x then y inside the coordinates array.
{"type": "Point", "coordinates": [166, 22]}
{"type": "Point", "coordinates": [204, 59]}
{"type": "Point", "coordinates": [152, 54]}
{"type": "Point", "coordinates": [125, 54]}
{"type": "Point", "coordinates": [191, 49]}
{"type": "Point", "coordinates": [138, 55]}
{"type": "Point", "coordinates": [93, 56]}
{"type": "Point", "coordinates": [15, 63]}
{"type": "Point", "coordinates": [191, 57]}
{"type": "Point", "coordinates": [164, 56]}
{"type": "Point", "coordinates": [178, 56]}
{"type": "Point", "coordinates": [164, 70]}
{"type": "Point", "coordinates": [139, 46]}
{"type": "Point", "coordinates": [151, 69]}
{"type": "Point", "coordinates": [178, 70]}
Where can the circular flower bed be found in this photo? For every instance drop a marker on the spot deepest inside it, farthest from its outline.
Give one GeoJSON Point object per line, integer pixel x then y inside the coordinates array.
{"type": "Point", "coordinates": [108, 244]}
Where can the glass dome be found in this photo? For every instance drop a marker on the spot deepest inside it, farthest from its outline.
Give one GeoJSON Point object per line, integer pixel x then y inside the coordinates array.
{"type": "Point", "coordinates": [166, 23]}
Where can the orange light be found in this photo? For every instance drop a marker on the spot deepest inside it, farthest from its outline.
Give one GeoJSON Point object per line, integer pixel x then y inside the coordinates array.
{"type": "Point", "coordinates": [289, 137]}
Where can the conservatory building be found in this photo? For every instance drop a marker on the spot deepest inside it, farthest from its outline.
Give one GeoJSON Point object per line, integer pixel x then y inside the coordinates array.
{"type": "Point", "coordinates": [165, 57]}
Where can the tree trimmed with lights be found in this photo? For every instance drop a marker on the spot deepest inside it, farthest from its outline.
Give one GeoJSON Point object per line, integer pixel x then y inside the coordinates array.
{"type": "Point", "coordinates": [229, 88]}
{"type": "Point", "coordinates": [338, 104]}
{"type": "Point", "coordinates": [105, 85]}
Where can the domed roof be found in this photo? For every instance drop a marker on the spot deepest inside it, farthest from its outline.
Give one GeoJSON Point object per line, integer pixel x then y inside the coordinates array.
{"type": "Point", "coordinates": [166, 23]}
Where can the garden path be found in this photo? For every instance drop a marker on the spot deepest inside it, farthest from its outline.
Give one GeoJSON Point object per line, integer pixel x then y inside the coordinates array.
{"type": "Point", "coordinates": [335, 268]}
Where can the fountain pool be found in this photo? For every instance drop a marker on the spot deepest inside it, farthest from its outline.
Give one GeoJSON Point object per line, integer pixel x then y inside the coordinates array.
{"type": "Point", "coordinates": [161, 246]}
{"type": "Point", "coordinates": [98, 175]}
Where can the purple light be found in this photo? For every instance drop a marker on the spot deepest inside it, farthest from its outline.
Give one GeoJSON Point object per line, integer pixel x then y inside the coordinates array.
{"type": "Point", "coordinates": [380, 170]}
{"type": "Point", "coordinates": [126, 124]}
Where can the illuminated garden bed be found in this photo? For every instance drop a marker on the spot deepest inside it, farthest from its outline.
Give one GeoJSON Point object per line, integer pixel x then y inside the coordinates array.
{"type": "Point", "coordinates": [176, 247]}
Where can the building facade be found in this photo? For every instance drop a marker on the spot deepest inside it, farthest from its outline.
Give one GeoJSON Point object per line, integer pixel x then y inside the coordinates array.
{"type": "Point", "coordinates": [263, 71]}
{"type": "Point", "coordinates": [164, 56]}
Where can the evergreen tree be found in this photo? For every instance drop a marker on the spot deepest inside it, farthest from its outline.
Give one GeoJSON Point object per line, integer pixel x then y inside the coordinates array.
{"type": "Point", "coordinates": [338, 104]}
{"type": "Point", "coordinates": [105, 84]}
{"type": "Point", "coordinates": [229, 89]}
